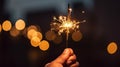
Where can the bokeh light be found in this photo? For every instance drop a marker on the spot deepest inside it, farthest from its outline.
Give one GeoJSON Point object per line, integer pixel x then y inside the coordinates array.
{"type": "Point", "coordinates": [83, 11]}
{"type": "Point", "coordinates": [37, 34]}
{"type": "Point", "coordinates": [32, 27]}
{"type": "Point", "coordinates": [50, 35]}
{"type": "Point", "coordinates": [44, 45]}
{"type": "Point", "coordinates": [20, 24]}
{"type": "Point", "coordinates": [112, 48]}
{"type": "Point", "coordinates": [14, 32]}
{"type": "Point", "coordinates": [6, 25]}
{"type": "Point", "coordinates": [58, 39]}
{"type": "Point", "coordinates": [35, 41]}
{"type": "Point", "coordinates": [0, 28]}
{"type": "Point", "coordinates": [77, 36]}
{"type": "Point", "coordinates": [30, 33]}
{"type": "Point", "coordinates": [33, 33]}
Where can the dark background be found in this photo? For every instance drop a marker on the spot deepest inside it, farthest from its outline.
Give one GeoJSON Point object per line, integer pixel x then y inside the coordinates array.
{"type": "Point", "coordinates": [101, 28]}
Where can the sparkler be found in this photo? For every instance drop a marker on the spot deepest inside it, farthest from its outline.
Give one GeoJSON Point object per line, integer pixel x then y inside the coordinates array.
{"type": "Point", "coordinates": [65, 24]}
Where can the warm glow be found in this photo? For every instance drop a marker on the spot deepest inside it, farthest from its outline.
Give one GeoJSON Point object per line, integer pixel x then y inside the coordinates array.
{"type": "Point", "coordinates": [37, 34]}
{"type": "Point", "coordinates": [67, 25]}
{"type": "Point", "coordinates": [35, 41]}
{"type": "Point", "coordinates": [77, 36]}
{"type": "Point", "coordinates": [14, 32]}
{"type": "Point", "coordinates": [0, 28]}
{"type": "Point", "coordinates": [58, 39]}
{"type": "Point", "coordinates": [33, 33]}
{"type": "Point", "coordinates": [50, 35]}
{"type": "Point", "coordinates": [20, 24]}
{"type": "Point", "coordinates": [112, 48]}
{"type": "Point", "coordinates": [44, 45]}
{"type": "Point", "coordinates": [30, 33]}
{"type": "Point", "coordinates": [32, 27]}
{"type": "Point", "coordinates": [64, 24]}
{"type": "Point", "coordinates": [6, 25]}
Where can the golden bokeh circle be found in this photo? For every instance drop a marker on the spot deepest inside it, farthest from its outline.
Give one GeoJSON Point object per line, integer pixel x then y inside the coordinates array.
{"type": "Point", "coordinates": [44, 45]}
{"type": "Point", "coordinates": [50, 35]}
{"type": "Point", "coordinates": [35, 41]}
{"type": "Point", "coordinates": [30, 33]}
{"type": "Point", "coordinates": [77, 36]}
{"type": "Point", "coordinates": [14, 32]}
{"type": "Point", "coordinates": [33, 33]}
{"type": "Point", "coordinates": [112, 48]}
{"type": "Point", "coordinates": [32, 27]}
{"type": "Point", "coordinates": [58, 39]}
{"type": "Point", "coordinates": [20, 24]}
{"type": "Point", "coordinates": [39, 35]}
{"type": "Point", "coordinates": [6, 25]}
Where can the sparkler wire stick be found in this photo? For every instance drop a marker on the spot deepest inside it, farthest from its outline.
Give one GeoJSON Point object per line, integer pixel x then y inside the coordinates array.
{"type": "Point", "coordinates": [68, 19]}
{"type": "Point", "coordinates": [67, 35]}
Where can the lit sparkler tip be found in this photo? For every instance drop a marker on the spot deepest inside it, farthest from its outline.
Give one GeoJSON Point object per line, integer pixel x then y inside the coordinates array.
{"type": "Point", "coordinates": [65, 24]}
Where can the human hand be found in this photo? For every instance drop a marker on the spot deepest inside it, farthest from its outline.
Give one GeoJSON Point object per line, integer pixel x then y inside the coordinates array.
{"type": "Point", "coordinates": [66, 59]}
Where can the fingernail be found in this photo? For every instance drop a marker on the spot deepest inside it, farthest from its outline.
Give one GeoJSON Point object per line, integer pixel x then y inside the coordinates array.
{"type": "Point", "coordinates": [66, 51]}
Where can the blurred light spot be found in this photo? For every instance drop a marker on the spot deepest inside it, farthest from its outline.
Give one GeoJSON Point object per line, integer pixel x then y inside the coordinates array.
{"type": "Point", "coordinates": [58, 39]}
{"type": "Point", "coordinates": [32, 27]}
{"type": "Point", "coordinates": [14, 32]}
{"type": "Point", "coordinates": [44, 45]}
{"type": "Point", "coordinates": [84, 21]}
{"type": "Point", "coordinates": [6, 25]}
{"type": "Point", "coordinates": [20, 24]}
{"type": "Point", "coordinates": [50, 35]}
{"type": "Point", "coordinates": [0, 28]}
{"type": "Point", "coordinates": [35, 41]}
{"type": "Point", "coordinates": [30, 33]}
{"type": "Point", "coordinates": [33, 33]}
{"type": "Point", "coordinates": [77, 36]}
{"type": "Point", "coordinates": [112, 48]}
{"type": "Point", "coordinates": [37, 34]}
{"type": "Point", "coordinates": [83, 11]}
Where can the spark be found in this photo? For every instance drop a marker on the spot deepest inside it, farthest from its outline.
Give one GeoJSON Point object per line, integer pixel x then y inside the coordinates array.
{"type": "Point", "coordinates": [65, 24]}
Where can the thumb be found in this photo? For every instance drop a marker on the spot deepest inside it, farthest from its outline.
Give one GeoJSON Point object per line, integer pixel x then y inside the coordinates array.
{"type": "Point", "coordinates": [64, 56]}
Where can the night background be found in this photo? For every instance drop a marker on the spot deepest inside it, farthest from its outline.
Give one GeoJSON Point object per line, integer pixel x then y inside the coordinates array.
{"type": "Point", "coordinates": [101, 28]}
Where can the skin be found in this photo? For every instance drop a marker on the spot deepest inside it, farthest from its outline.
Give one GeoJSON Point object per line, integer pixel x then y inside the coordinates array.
{"type": "Point", "coordinates": [66, 59]}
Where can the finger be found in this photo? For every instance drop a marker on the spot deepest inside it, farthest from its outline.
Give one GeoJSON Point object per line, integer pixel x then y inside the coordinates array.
{"type": "Point", "coordinates": [72, 52]}
{"type": "Point", "coordinates": [64, 56]}
{"type": "Point", "coordinates": [75, 65]}
{"type": "Point", "coordinates": [71, 59]}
